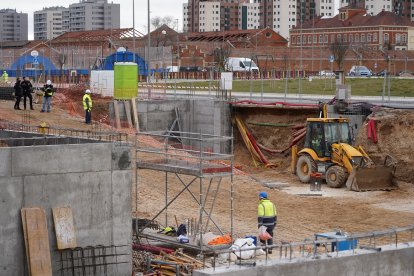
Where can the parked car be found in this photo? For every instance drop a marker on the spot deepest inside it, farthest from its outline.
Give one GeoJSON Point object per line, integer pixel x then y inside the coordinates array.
{"type": "Point", "coordinates": [326, 73]}
{"type": "Point", "coordinates": [360, 71]}
{"type": "Point", "coordinates": [406, 74]}
{"type": "Point", "coordinates": [383, 73]}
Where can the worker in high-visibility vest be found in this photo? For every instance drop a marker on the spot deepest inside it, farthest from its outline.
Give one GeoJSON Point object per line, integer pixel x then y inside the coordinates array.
{"type": "Point", "coordinates": [5, 76]}
{"type": "Point", "coordinates": [87, 106]}
{"type": "Point", "coordinates": [266, 216]}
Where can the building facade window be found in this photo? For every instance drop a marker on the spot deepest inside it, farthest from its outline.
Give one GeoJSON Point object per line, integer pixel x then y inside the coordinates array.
{"type": "Point", "coordinates": [386, 37]}
{"type": "Point", "coordinates": [398, 38]}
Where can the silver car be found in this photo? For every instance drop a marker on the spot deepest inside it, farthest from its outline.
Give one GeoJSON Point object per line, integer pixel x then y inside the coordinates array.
{"type": "Point", "coordinates": [360, 71]}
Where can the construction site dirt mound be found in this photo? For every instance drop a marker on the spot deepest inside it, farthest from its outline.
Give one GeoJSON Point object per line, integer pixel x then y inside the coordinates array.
{"type": "Point", "coordinates": [71, 100]}
{"type": "Point", "coordinates": [395, 129]}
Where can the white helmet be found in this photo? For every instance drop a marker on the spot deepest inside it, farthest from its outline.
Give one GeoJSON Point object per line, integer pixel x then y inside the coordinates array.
{"type": "Point", "coordinates": [49, 82]}
{"type": "Point", "coordinates": [87, 91]}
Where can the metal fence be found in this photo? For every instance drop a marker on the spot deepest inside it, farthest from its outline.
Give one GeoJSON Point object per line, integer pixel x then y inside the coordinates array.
{"type": "Point", "coordinates": [355, 244]}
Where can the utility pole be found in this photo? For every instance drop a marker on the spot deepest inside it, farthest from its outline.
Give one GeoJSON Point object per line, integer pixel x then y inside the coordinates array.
{"type": "Point", "coordinates": [149, 53]}
{"type": "Point", "coordinates": [50, 48]}
{"type": "Point", "coordinates": [133, 30]}
{"type": "Point", "coordinates": [301, 46]}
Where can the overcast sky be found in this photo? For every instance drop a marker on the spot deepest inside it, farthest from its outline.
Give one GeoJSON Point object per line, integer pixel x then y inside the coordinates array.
{"type": "Point", "coordinates": [161, 8]}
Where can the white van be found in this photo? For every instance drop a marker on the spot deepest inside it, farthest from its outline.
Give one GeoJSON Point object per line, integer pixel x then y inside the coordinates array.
{"type": "Point", "coordinates": [241, 64]}
{"type": "Point", "coordinates": [173, 69]}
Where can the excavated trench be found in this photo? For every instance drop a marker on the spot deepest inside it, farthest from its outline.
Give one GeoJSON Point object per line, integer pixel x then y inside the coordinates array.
{"type": "Point", "coordinates": [273, 127]}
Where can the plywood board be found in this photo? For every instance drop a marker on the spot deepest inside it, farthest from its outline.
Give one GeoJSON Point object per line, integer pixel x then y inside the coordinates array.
{"type": "Point", "coordinates": [26, 242]}
{"type": "Point", "coordinates": [38, 241]}
{"type": "Point", "coordinates": [117, 118]}
{"type": "Point", "coordinates": [135, 113]}
{"type": "Point", "coordinates": [128, 113]}
{"type": "Point", "coordinates": [64, 227]}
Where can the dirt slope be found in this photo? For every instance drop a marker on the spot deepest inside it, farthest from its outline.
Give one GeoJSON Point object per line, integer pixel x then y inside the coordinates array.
{"type": "Point", "coordinates": [395, 130]}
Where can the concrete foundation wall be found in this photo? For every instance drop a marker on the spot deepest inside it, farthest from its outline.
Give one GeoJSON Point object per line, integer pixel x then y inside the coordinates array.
{"type": "Point", "coordinates": [93, 179]}
{"type": "Point", "coordinates": [386, 263]}
{"type": "Point", "coordinates": [206, 116]}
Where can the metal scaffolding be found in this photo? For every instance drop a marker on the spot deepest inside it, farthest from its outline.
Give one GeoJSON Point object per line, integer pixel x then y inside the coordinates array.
{"type": "Point", "coordinates": [205, 157]}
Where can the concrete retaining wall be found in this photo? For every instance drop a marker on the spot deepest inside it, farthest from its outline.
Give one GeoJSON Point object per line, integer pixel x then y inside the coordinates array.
{"type": "Point", "coordinates": [385, 263]}
{"type": "Point", "coordinates": [206, 116]}
{"type": "Point", "coordinates": [93, 179]}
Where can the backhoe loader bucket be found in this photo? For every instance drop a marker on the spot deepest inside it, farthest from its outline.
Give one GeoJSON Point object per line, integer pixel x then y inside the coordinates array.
{"type": "Point", "coordinates": [371, 179]}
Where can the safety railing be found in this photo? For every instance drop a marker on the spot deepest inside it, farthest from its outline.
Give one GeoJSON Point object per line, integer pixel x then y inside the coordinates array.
{"type": "Point", "coordinates": [76, 135]}
{"type": "Point", "coordinates": [353, 244]}
{"type": "Point", "coordinates": [184, 152]}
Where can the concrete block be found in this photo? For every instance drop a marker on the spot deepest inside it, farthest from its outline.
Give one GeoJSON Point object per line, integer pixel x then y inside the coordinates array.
{"type": "Point", "coordinates": [12, 254]}
{"type": "Point", "coordinates": [61, 159]}
{"type": "Point", "coordinates": [121, 157]}
{"type": "Point", "coordinates": [122, 219]}
{"type": "Point", "coordinates": [5, 162]}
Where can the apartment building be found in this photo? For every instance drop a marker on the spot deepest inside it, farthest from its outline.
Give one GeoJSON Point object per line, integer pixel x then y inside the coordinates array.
{"type": "Point", "coordinates": [280, 15]}
{"type": "Point", "coordinates": [249, 16]}
{"type": "Point", "coordinates": [94, 15]}
{"type": "Point", "coordinates": [13, 25]}
{"type": "Point", "coordinates": [209, 18]}
{"type": "Point", "coordinates": [324, 8]}
{"type": "Point", "coordinates": [48, 23]}
{"type": "Point", "coordinates": [228, 15]}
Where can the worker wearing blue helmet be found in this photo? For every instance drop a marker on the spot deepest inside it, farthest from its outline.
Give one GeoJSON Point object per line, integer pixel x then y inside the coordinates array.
{"type": "Point", "coordinates": [266, 216]}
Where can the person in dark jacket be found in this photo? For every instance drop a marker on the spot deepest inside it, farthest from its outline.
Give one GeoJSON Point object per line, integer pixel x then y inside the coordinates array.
{"type": "Point", "coordinates": [47, 97]}
{"type": "Point", "coordinates": [27, 92]}
{"type": "Point", "coordinates": [17, 93]}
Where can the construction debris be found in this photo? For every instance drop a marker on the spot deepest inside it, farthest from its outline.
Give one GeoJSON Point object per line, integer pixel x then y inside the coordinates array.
{"type": "Point", "coordinates": [174, 263]}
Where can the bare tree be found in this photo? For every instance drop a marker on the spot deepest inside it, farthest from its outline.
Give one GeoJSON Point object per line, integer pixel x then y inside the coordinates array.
{"type": "Point", "coordinates": [158, 21]}
{"type": "Point", "coordinates": [220, 55]}
{"type": "Point", "coordinates": [339, 51]}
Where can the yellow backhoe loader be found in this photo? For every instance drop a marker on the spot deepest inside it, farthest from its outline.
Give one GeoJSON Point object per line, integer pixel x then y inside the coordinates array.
{"type": "Point", "coordinates": [328, 151]}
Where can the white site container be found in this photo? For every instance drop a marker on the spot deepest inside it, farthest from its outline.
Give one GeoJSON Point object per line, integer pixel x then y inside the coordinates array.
{"type": "Point", "coordinates": [102, 82]}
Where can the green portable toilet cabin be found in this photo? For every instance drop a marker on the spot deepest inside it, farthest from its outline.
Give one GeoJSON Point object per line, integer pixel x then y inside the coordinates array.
{"type": "Point", "coordinates": [125, 80]}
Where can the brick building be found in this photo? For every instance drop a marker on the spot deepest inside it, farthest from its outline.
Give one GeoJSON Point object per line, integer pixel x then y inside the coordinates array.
{"type": "Point", "coordinates": [354, 27]}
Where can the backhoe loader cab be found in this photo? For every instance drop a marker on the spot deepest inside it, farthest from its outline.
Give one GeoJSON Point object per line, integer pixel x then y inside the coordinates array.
{"type": "Point", "coordinates": [328, 150]}
{"type": "Point", "coordinates": [321, 133]}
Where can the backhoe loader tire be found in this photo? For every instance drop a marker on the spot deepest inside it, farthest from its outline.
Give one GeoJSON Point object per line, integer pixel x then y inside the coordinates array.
{"type": "Point", "coordinates": [304, 167]}
{"type": "Point", "coordinates": [336, 176]}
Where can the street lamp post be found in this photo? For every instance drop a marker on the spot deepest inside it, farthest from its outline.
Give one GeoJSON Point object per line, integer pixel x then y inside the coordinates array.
{"type": "Point", "coordinates": [149, 52]}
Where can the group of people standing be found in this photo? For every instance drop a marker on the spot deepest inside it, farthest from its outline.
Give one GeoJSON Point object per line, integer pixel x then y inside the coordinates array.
{"type": "Point", "coordinates": [24, 88]}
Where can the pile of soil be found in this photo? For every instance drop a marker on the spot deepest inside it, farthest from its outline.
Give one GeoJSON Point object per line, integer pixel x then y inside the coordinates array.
{"type": "Point", "coordinates": [71, 100]}
{"type": "Point", "coordinates": [395, 129]}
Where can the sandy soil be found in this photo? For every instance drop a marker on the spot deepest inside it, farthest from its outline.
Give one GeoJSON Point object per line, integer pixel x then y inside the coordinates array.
{"type": "Point", "coordinates": [300, 214]}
